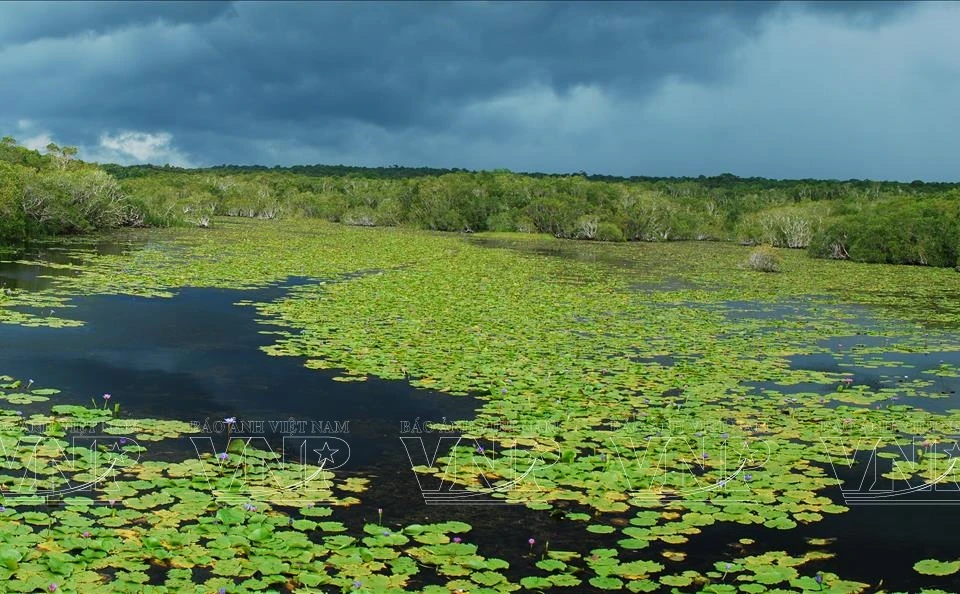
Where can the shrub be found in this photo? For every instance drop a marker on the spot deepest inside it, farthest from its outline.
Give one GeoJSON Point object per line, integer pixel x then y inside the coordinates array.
{"type": "Point", "coordinates": [362, 217]}
{"type": "Point", "coordinates": [586, 227]}
{"type": "Point", "coordinates": [903, 231]}
{"type": "Point", "coordinates": [764, 259]}
{"type": "Point", "coordinates": [608, 232]}
{"type": "Point", "coordinates": [787, 226]}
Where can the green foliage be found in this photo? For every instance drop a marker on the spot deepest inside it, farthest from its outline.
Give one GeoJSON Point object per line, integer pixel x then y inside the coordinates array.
{"type": "Point", "coordinates": [895, 231]}
{"type": "Point", "coordinates": [54, 194]}
{"type": "Point", "coordinates": [791, 226]}
{"type": "Point", "coordinates": [862, 220]}
{"type": "Point", "coordinates": [609, 232]}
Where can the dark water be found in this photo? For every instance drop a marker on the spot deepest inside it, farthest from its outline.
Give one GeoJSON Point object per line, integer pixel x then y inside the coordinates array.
{"type": "Point", "coordinates": [196, 358]}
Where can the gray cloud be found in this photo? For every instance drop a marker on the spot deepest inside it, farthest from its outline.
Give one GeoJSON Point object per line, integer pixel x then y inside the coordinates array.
{"type": "Point", "coordinates": [628, 88]}
{"type": "Point", "coordinates": [32, 21]}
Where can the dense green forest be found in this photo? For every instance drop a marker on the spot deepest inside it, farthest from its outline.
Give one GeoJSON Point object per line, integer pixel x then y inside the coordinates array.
{"type": "Point", "coordinates": [892, 222]}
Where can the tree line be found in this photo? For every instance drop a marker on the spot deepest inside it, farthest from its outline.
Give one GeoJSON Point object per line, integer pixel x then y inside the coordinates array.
{"type": "Point", "coordinates": [863, 220]}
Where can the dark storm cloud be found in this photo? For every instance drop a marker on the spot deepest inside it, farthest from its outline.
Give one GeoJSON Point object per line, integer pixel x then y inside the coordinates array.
{"type": "Point", "coordinates": [268, 82]}
{"type": "Point", "coordinates": [31, 21]}
{"type": "Point", "coordinates": [390, 65]}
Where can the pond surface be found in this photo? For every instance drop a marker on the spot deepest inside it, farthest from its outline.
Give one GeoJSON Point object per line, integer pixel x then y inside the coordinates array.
{"type": "Point", "coordinates": [876, 543]}
{"type": "Point", "coordinates": [197, 357]}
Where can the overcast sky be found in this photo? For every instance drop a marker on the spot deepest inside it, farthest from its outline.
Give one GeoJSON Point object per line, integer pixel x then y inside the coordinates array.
{"type": "Point", "coordinates": [860, 90]}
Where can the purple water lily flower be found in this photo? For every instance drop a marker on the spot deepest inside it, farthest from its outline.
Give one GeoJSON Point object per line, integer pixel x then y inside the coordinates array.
{"type": "Point", "coordinates": [457, 539]}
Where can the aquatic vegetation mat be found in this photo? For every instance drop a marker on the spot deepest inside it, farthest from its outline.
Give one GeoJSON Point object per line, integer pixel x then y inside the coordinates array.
{"type": "Point", "coordinates": [646, 395]}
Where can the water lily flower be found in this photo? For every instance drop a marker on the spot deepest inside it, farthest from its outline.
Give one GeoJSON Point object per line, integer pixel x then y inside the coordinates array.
{"type": "Point", "coordinates": [53, 587]}
{"type": "Point", "coordinates": [849, 380]}
{"type": "Point", "coordinates": [2, 509]}
{"type": "Point", "coordinates": [222, 591]}
{"type": "Point", "coordinates": [106, 396]}
{"type": "Point", "coordinates": [249, 507]}
{"type": "Point", "coordinates": [479, 449]}
{"type": "Point", "coordinates": [85, 534]}
{"type": "Point", "coordinates": [230, 420]}
{"type": "Point", "coordinates": [748, 477]}
{"type": "Point", "coordinates": [531, 542]}
{"type": "Point", "coordinates": [123, 441]}
{"type": "Point", "coordinates": [223, 456]}
{"type": "Point", "coordinates": [818, 578]}
{"type": "Point", "coordinates": [357, 583]}
{"type": "Point", "coordinates": [386, 533]}
{"type": "Point", "coordinates": [457, 539]}
{"type": "Point", "coordinates": [705, 456]}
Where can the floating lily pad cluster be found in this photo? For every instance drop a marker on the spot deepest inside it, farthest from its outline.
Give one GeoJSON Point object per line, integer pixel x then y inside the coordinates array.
{"type": "Point", "coordinates": [75, 517]}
